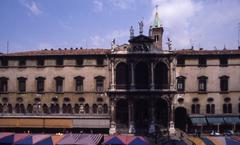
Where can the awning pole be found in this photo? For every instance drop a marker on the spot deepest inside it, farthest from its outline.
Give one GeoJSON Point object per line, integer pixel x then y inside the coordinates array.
{"type": "Point", "coordinates": [218, 127]}
{"type": "Point", "coordinates": [234, 127]}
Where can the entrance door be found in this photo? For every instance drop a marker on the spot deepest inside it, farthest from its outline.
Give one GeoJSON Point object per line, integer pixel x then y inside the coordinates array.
{"type": "Point", "coordinates": [180, 118]}
{"type": "Point", "coordinates": [141, 114]}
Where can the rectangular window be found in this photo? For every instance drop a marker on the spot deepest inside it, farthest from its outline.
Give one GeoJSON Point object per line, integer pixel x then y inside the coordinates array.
{"type": "Point", "coordinates": [202, 86]}
{"type": "Point", "coordinates": [223, 62]}
{"type": "Point", "coordinates": [59, 85]}
{"type": "Point", "coordinates": [40, 85]}
{"type": "Point", "coordinates": [180, 62]}
{"type": "Point", "coordinates": [156, 38]}
{"type": "Point", "coordinates": [4, 63]}
{"type": "Point", "coordinates": [224, 85]}
{"type": "Point", "coordinates": [3, 85]}
{"type": "Point", "coordinates": [100, 62]}
{"type": "Point", "coordinates": [22, 63]}
{"type": "Point", "coordinates": [59, 62]}
{"type": "Point", "coordinates": [79, 62]}
{"type": "Point", "coordinates": [99, 85]}
{"type": "Point", "coordinates": [181, 84]}
{"type": "Point", "coordinates": [79, 85]}
{"type": "Point", "coordinates": [22, 85]}
{"type": "Point", "coordinates": [40, 62]}
{"type": "Point", "coordinates": [202, 62]}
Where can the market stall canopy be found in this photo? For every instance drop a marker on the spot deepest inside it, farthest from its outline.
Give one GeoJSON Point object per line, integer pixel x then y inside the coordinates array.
{"type": "Point", "coordinates": [13, 138]}
{"type": "Point", "coordinates": [201, 120]}
{"type": "Point", "coordinates": [81, 139]}
{"type": "Point", "coordinates": [215, 120]}
{"type": "Point", "coordinates": [32, 139]}
{"type": "Point", "coordinates": [232, 120]}
{"type": "Point", "coordinates": [52, 140]}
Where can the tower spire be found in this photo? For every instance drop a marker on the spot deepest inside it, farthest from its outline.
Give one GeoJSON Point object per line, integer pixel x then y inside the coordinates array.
{"type": "Point", "coordinates": [156, 22]}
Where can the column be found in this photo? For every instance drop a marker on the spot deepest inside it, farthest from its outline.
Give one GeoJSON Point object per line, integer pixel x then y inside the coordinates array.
{"type": "Point", "coordinates": [172, 75]}
{"type": "Point", "coordinates": [112, 129]}
{"type": "Point", "coordinates": [171, 120]}
{"type": "Point", "coordinates": [112, 76]}
{"type": "Point", "coordinates": [132, 76]}
{"type": "Point", "coordinates": [152, 75]}
{"type": "Point", "coordinates": [131, 116]}
{"type": "Point", "coordinates": [152, 128]}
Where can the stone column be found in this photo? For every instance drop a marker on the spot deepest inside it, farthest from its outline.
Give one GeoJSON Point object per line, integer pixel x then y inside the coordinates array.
{"type": "Point", "coordinates": [152, 128]}
{"type": "Point", "coordinates": [132, 77]}
{"type": "Point", "coordinates": [113, 129]}
{"type": "Point", "coordinates": [171, 120]}
{"type": "Point", "coordinates": [113, 85]}
{"type": "Point", "coordinates": [172, 75]}
{"type": "Point", "coordinates": [131, 117]}
{"type": "Point", "coordinates": [152, 76]}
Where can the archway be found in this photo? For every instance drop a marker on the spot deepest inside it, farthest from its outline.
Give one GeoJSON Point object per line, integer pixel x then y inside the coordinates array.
{"type": "Point", "coordinates": [122, 112]}
{"type": "Point", "coordinates": [141, 115]}
{"type": "Point", "coordinates": [141, 76]}
{"type": "Point", "coordinates": [180, 118]}
{"type": "Point", "coordinates": [161, 76]}
{"type": "Point", "coordinates": [122, 76]}
{"type": "Point", "coordinates": [161, 113]}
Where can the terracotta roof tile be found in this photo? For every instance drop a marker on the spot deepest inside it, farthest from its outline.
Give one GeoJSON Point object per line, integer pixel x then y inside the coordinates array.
{"type": "Point", "coordinates": [206, 52]}
{"type": "Point", "coordinates": [97, 51]}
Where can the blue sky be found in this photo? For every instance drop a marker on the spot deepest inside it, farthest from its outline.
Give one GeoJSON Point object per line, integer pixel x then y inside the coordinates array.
{"type": "Point", "coordinates": [40, 24]}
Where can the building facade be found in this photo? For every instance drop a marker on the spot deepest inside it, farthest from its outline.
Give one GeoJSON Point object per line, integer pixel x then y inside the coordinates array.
{"type": "Point", "coordinates": [136, 87]}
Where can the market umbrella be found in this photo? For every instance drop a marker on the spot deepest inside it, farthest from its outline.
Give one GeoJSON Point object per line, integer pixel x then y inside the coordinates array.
{"type": "Point", "coordinates": [32, 139]}
{"type": "Point", "coordinates": [52, 140]}
{"type": "Point", "coordinates": [138, 141]}
{"type": "Point", "coordinates": [5, 134]}
{"type": "Point", "coordinates": [81, 139]}
{"type": "Point", "coordinates": [231, 142]}
{"type": "Point", "coordinates": [13, 138]}
{"type": "Point", "coordinates": [113, 140]}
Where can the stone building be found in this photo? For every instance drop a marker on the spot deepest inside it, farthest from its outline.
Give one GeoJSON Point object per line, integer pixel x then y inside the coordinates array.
{"type": "Point", "coordinates": [136, 87]}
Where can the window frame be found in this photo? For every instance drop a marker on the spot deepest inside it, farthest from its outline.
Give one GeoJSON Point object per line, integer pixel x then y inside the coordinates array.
{"type": "Point", "coordinates": [59, 82]}
{"type": "Point", "coordinates": [3, 85]}
{"type": "Point", "coordinates": [79, 83]}
{"type": "Point", "coordinates": [224, 83]}
{"type": "Point", "coordinates": [22, 84]}
{"type": "Point", "coordinates": [181, 80]}
{"type": "Point", "coordinates": [99, 82]}
{"type": "Point", "coordinates": [181, 61]}
{"type": "Point", "coordinates": [202, 83]}
{"type": "Point", "coordinates": [202, 62]}
{"type": "Point", "coordinates": [40, 87]}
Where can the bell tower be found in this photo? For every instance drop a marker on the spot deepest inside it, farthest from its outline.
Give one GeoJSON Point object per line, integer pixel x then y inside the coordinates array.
{"type": "Point", "coordinates": [156, 32]}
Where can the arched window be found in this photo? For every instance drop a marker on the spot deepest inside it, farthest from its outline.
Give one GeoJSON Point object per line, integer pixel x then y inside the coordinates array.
{"type": "Point", "coordinates": [122, 76]}
{"type": "Point", "coordinates": [94, 108]}
{"type": "Point", "coordinates": [17, 108]}
{"type": "Point", "coordinates": [29, 108]}
{"type": "Point", "coordinates": [195, 106]}
{"type": "Point", "coordinates": [86, 108]}
{"type": "Point", "coordinates": [45, 109]}
{"type": "Point", "coordinates": [105, 108]}
{"type": "Point", "coordinates": [227, 106]}
{"type": "Point", "coordinates": [210, 107]}
{"type": "Point", "coordinates": [76, 108]}
{"type": "Point", "coordinates": [9, 108]}
{"type": "Point", "coordinates": [67, 108]}
{"type": "Point", "coordinates": [161, 76]}
{"type": "Point", "coordinates": [1, 108]}
{"type": "Point", "coordinates": [54, 108]}
{"type": "Point", "coordinates": [100, 109]}
{"type": "Point", "coordinates": [141, 76]}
